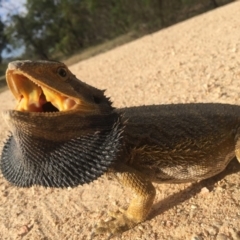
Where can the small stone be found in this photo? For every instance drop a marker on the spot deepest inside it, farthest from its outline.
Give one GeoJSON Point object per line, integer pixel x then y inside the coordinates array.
{"type": "Point", "coordinates": [169, 223]}
{"type": "Point", "coordinates": [193, 206]}
{"type": "Point", "coordinates": [212, 230]}
{"type": "Point", "coordinates": [233, 50]}
{"type": "Point", "coordinates": [204, 191]}
{"type": "Point", "coordinates": [222, 237]}
{"type": "Point", "coordinates": [235, 234]}
{"type": "Point", "coordinates": [140, 228]}
{"type": "Point", "coordinates": [196, 237]}
{"type": "Point", "coordinates": [219, 189]}
{"type": "Point", "coordinates": [23, 230]}
{"type": "Point", "coordinates": [217, 224]}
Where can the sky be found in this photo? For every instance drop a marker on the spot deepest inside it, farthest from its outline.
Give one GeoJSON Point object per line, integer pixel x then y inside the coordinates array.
{"type": "Point", "coordinates": [11, 6]}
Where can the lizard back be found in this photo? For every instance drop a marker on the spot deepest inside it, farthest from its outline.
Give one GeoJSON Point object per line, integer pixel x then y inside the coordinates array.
{"type": "Point", "coordinates": [181, 142]}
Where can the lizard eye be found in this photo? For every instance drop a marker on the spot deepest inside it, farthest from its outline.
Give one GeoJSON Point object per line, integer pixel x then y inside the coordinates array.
{"type": "Point", "coordinates": [62, 72]}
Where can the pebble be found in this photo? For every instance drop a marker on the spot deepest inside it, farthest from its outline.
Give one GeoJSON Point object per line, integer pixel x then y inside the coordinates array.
{"type": "Point", "coordinates": [204, 191]}
{"type": "Point", "coordinates": [235, 234]}
{"type": "Point", "coordinates": [196, 237]}
{"type": "Point", "coordinates": [222, 237]}
{"type": "Point", "coordinates": [212, 230]}
{"type": "Point", "coordinates": [23, 230]}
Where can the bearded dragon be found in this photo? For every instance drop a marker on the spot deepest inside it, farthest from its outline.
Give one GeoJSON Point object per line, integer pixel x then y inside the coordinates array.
{"type": "Point", "coordinates": [65, 133]}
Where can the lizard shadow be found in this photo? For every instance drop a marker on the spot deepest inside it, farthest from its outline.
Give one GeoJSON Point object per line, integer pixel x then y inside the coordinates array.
{"type": "Point", "coordinates": [192, 190]}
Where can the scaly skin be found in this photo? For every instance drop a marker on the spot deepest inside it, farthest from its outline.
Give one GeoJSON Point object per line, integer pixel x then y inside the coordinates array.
{"type": "Point", "coordinates": [88, 137]}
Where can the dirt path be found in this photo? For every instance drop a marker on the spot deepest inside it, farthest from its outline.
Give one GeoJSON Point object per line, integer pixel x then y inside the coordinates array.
{"type": "Point", "coordinates": [194, 61]}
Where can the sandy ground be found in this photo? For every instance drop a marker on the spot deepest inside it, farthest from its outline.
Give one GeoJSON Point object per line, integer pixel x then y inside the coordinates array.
{"type": "Point", "coordinates": [194, 61]}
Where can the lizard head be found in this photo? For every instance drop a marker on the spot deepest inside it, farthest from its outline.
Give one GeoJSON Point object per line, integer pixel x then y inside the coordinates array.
{"type": "Point", "coordinates": [52, 103]}
{"type": "Point", "coordinates": [48, 86]}
{"type": "Point", "coordinates": [63, 131]}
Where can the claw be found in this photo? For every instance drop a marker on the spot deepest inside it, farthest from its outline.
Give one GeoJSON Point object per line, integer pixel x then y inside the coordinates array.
{"type": "Point", "coordinates": [116, 214]}
{"type": "Point", "coordinates": [118, 224]}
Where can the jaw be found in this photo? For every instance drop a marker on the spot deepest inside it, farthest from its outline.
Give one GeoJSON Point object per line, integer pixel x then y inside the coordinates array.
{"type": "Point", "coordinates": [38, 86]}
{"type": "Point", "coordinates": [44, 112]}
{"type": "Point", "coordinates": [34, 96]}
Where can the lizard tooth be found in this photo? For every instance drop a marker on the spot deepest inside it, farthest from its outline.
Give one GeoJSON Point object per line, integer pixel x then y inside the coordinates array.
{"type": "Point", "coordinates": [52, 97]}
{"type": "Point", "coordinates": [62, 103]}
{"type": "Point", "coordinates": [22, 105]}
{"type": "Point", "coordinates": [68, 104]}
{"type": "Point", "coordinates": [30, 97]}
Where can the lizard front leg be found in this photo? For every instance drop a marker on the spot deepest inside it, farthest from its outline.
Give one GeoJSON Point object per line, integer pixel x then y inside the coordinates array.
{"type": "Point", "coordinates": [140, 205]}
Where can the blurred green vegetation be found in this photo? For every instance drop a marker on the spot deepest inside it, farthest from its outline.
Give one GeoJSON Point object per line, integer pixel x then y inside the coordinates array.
{"type": "Point", "coordinates": [3, 67]}
{"type": "Point", "coordinates": [56, 29]}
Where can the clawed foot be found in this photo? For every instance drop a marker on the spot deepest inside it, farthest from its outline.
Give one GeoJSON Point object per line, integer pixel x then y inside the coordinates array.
{"type": "Point", "coordinates": [119, 223]}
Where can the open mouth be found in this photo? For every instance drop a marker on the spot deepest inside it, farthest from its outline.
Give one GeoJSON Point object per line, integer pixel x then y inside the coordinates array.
{"type": "Point", "coordinates": [32, 96]}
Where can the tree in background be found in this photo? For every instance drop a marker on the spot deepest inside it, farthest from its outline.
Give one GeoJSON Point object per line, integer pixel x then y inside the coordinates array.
{"type": "Point", "coordinates": [35, 29]}
{"type": "Point", "coordinates": [56, 28]}
{"type": "Point", "coordinates": [61, 27]}
{"type": "Point", "coordinates": [3, 39]}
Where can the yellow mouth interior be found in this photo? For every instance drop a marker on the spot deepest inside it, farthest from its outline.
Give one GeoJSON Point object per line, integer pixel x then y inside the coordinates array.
{"type": "Point", "coordinates": [33, 97]}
